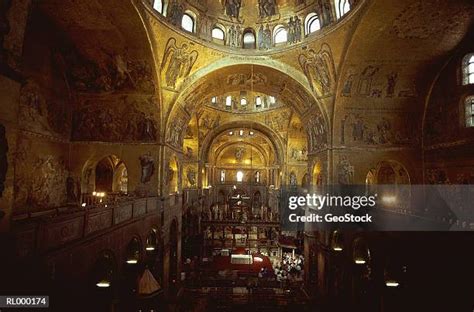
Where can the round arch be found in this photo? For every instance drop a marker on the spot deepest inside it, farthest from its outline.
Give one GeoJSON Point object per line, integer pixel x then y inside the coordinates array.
{"type": "Point", "coordinates": [109, 170]}
{"type": "Point", "coordinates": [194, 82]}
{"type": "Point", "coordinates": [247, 75]}
{"type": "Point", "coordinates": [222, 148]}
{"type": "Point", "coordinates": [388, 172]}
{"type": "Point", "coordinates": [274, 139]}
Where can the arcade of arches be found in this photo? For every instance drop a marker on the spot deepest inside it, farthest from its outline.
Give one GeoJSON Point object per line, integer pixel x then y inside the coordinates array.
{"type": "Point", "coordinates": [144, 146]}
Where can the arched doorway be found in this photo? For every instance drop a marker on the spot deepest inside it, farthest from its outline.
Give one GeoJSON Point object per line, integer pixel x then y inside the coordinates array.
{"type": "Point", "coordinates": [316, 175]}
{"type": "Point", "coordinates": [104, 175]}
{"type": "Point", "coordinates": [109, 175]}
{"type": "Point", "coordinates": [393, 179]}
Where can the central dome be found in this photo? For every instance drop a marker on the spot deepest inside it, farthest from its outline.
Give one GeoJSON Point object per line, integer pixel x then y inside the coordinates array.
{"type": "Point", "coordinates": [253, 24]}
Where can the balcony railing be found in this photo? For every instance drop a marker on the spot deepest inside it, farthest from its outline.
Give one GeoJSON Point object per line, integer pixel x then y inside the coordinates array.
{"type": "Point", "coordinates": [38, 234]}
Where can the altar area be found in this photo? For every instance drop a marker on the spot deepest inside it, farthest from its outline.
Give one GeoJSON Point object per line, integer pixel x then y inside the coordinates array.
{"type": "Point", "coordinates": [238, 263]}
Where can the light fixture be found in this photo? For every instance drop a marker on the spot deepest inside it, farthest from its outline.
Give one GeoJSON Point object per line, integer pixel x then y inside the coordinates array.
{"type": "Point", "coordinates": [83, 204]}
{"type": "Point", "coordinates": [389, 199]}
{"type": "Point", "coordinates": [103, 284]}
{"type": "Point", "coordinates": [133, 251]}
{"type": "Point", "coordinates": [151, 241]}
{"type": "Point", "coordinates": [337, 241]}
{"type": "Point", "coordinates": [103, 271]}
{"type": "Point", "coordinates": [392, 283]}
{"type": "Point", "coordinates": [257, 259]}
{"type": "Point", "coordinates": [361, 252]}
{"type": "Point", "coordinates": [393, 273]}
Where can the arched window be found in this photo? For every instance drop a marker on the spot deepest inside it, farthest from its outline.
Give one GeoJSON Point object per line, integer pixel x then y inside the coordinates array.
{"type": "Point", "coordinates": [228, 101]}
{"type": "Point", "coordinates": [214, 100]}
{"type": "Point", "coordinates": [342, 8]}
{"type": "Point", "coordinates": [311, 23]}
{"type": "Point", "coordinates": [243, 101]}
{"type": "Point", "coordinates": [249, 39]}
{"type": "Point", "coordinates": [280, 34]}
{"type": "Point", "coordinates": [469, 104]}
{"type": "Point", "coordinates": [272, 100]}
{"type": "Point", "coordinates": [188, 22]}
{"type": "Point", "coordinates": [158, 6]}
{"type": "Point", "coordinates": [258, 102]}
{"type": "Point", "coordinates": [240, 176]}
{"type": "Point", "coordinates": [218, 33]}
{"type": "Point", "coordinates": [468, 69]}
{"type": "Point", "coordinates": [222, 176]}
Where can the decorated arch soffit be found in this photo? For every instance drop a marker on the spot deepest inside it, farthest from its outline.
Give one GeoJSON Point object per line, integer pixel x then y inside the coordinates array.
{"type": "Point", "coordinates": [240, 153]}
{"type": "Point", "coordinates": [246, 78]}
{"type": "Point", "coordinates": [259, 144]}
{"type": "Point", "coordinates": [268, 142]}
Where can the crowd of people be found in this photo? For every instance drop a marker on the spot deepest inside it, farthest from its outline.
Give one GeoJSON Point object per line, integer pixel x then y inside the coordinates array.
{"type": "Point", "coordinates": [289, 268]}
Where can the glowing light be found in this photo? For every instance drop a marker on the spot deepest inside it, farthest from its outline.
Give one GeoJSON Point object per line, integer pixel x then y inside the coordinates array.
{"type": "Point", "coordinates": [103, 284]}
{"type": "Point", "coordinates": [359, 261]}
{"type": "Point", "coordinates": [83, 204]}
{"type": "Point", "coordinates": [150, 248]}
{"type": "Point", "coordinates": [132, 261]}
{"type": "Point", "coordinates": [257, 259]}
{"type": "Point", "coordinates": [94, 193]}
{"type": "Point", "coordinates": [389, 199]}
{"type": "Point", "coordinates": [337, 249]}
{"type": "Point", "coordinates": [392, 284]}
